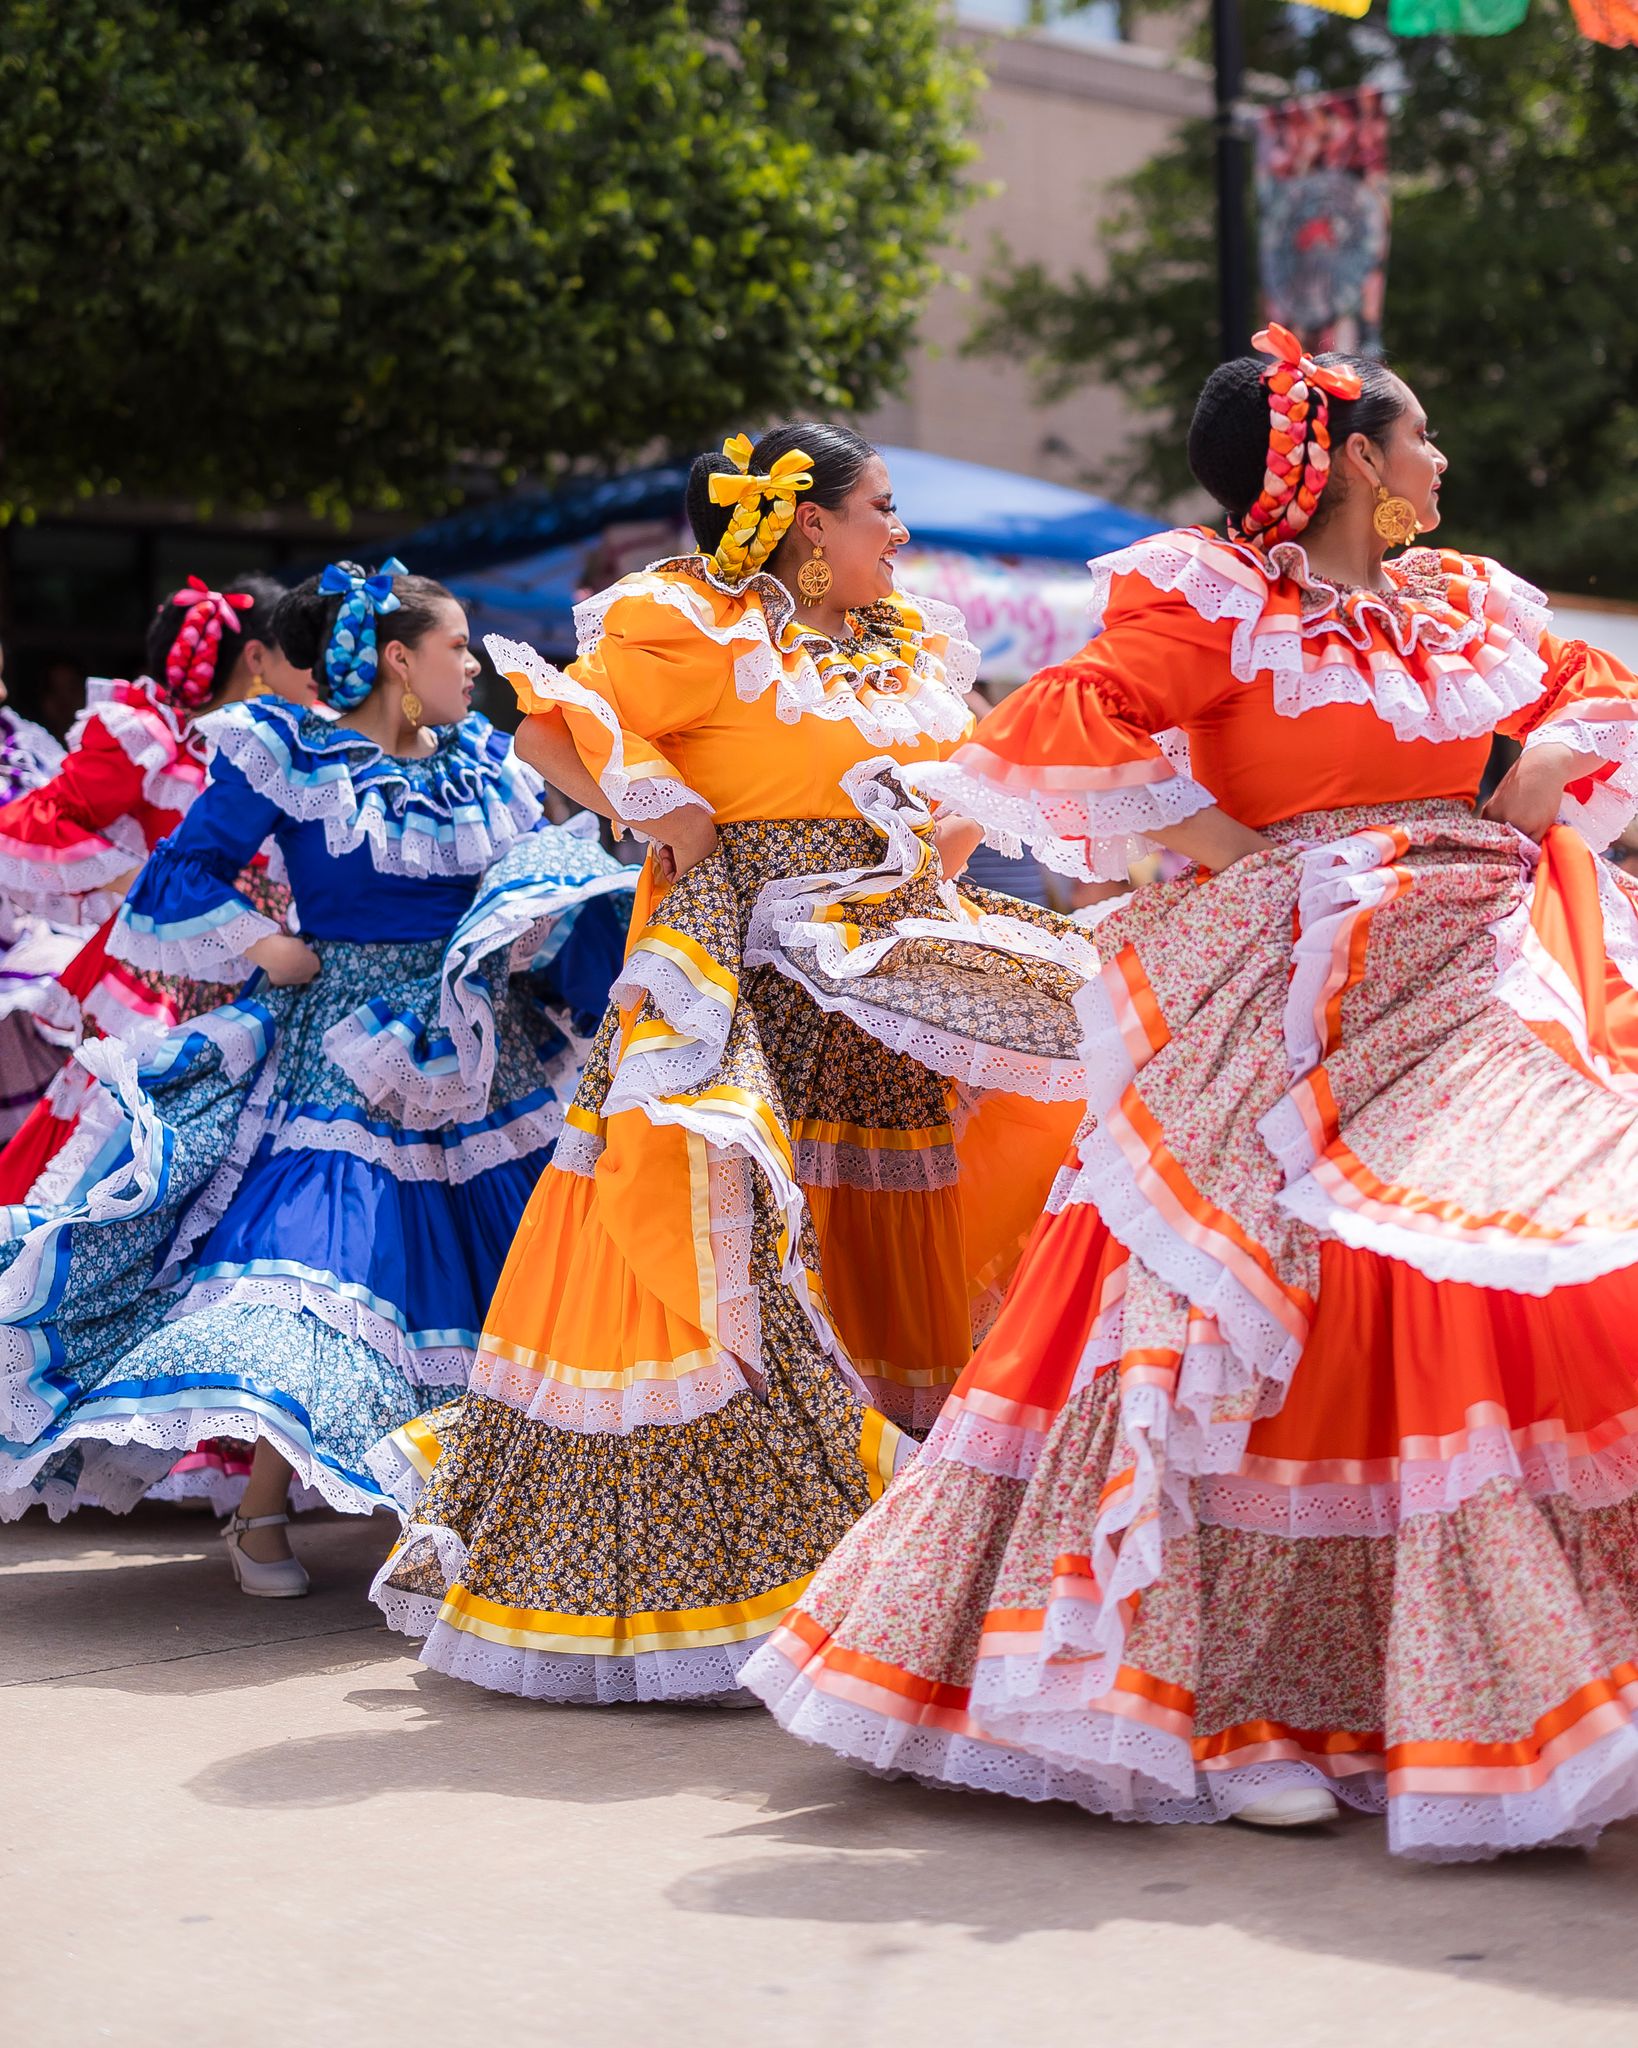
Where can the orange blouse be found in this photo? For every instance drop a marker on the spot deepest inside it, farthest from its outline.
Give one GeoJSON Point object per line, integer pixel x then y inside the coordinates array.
{"type": "Point", "coordinates": [1224, 677]}
{"type": "Point", "coordinates": [689, 690]}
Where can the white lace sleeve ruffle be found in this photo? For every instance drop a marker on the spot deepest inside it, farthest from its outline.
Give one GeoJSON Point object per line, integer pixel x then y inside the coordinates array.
{"type": "Point", "coordinates": [1089, 824]}
{"type": "Point", "coordinates": [636, 795]}
{"type": "Point", "coordinates": [1609, 730]}
{"type": "Point", "coordinates": [149, 734]}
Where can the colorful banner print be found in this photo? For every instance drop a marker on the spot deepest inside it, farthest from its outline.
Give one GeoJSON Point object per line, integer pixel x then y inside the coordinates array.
{"type": "Point", "coordinates": [1323, 212]}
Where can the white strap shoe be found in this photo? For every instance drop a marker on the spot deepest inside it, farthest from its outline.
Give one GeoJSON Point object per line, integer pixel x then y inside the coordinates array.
{"type": "Point", "coordinates": [1297, 1806]}
{"type": "Point", "coordinates": [284, 1579]}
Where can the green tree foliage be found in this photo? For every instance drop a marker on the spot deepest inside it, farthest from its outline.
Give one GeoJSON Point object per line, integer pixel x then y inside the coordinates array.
{"type": "Point", "coordinates": [280, 250]}
{"type": "Point", "coordinates": [1512, 283]}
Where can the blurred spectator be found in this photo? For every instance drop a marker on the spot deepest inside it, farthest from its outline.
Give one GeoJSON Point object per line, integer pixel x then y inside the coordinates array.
{"type": "Point", "coordinates": [62, 696]}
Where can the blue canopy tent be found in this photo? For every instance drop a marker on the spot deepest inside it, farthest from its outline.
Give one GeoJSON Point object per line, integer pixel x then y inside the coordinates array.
{"type": "Point", "coordinates": [518, 565]}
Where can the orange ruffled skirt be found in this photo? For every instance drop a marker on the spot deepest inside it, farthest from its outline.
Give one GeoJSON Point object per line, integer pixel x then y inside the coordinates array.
{"type": "Point", "coordinates": [1305, 1446]}
{"type": "Point", "coordinates": [760, 1255]}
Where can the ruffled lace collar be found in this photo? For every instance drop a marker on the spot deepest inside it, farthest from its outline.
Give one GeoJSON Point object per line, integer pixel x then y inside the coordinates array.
{"type": "Point", "coordinates": [903, 678]}
{"type": "Point", "coordinates": [448, 813]}
{"type": "Point", "coordinates": [147, 728]}
{"type": "Point", "coordinates": [1446, 655]}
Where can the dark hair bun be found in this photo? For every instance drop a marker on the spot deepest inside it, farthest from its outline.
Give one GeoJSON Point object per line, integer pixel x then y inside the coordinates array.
{"type": "Point", "coordinates": [303, 622]}
{"type": "Point", "coordinates": [1228, 436]}
{"type": "Point", "coordinates": [709, 520]}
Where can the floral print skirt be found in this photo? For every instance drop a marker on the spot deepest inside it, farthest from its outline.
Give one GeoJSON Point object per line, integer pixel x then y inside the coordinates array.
{"type": "Point", "coordinates": [757, 1260]}
{"type": "Point", "coordinates": [1305, 1446]}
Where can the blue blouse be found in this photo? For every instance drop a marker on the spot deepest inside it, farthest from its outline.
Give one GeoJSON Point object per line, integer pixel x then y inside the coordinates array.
{"type": "Point", "coordinates": [375, 848]}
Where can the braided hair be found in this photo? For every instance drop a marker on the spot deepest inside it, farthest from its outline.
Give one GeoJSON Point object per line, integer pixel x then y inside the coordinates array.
{"type": "Point", "coordinates": [1229, 434]}
{"type": "Point", "coordinates": [191, 651]}
{"type": "Point", "coordinates": [836, 460]}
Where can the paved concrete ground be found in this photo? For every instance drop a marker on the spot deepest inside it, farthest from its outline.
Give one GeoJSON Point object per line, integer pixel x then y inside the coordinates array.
{"type": "Point", "coordinates": [243, 1822]}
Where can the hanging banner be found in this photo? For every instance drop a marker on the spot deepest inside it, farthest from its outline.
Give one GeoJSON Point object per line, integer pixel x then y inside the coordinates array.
{"type": "Point", "coordinates": [1455, 17]}
{"type": "Point", "coordinates": [1614, 22]}
{"type": "Point", "coordinates": [1323, 212]}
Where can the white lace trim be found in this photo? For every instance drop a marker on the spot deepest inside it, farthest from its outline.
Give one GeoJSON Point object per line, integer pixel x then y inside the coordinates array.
{"type": "Point", "coordinates": [430, 1365]}
{"type": "Point", "coordinates": [219, 951]}
{"type": "Point", "coordinates": [780, 654]}
{"type": "Point", "coordinates": [1604, 814]}
{"type": "Point", "coordinates": [504, 796]}
{"type": "Point", "coordinates": [786, 932]}
{"type": "Point", "coordinates": [117, 1484]}
{"type": "Point", "coordinates": [636, 797]}
{"type": "Point", "coordinates": [72, 888]}
{"type": "Point", "coordinates": [1457, 693]}
{"type": "Point", "coordinates": [642, 1403]}
{"type": "Point", "coordinates": [703, 1675]}
{"type": "Point", "coordinates": [452, 1156]}
{"type": "Point", "coordinates": [1090, 835]}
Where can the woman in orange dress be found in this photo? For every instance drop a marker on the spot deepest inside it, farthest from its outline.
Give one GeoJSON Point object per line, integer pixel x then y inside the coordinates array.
{"type": "Point", "coordinates": [1301, 1463]}
{"type": "Point", "coordinates": [757, 1256]}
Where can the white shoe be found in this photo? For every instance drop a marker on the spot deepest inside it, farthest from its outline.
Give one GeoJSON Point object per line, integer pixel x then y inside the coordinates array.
{"type": "Point", "coordinates": [284, 1579]}
{"type": "Point", "coordinates": [1298, 1806]}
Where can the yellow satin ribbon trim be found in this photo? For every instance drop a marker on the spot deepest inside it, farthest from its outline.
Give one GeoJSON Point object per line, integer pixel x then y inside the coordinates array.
{"type": "Point", "coordinates": [709, 976]}
{"type": "Point", "coordinates": [879, 1442]}
{"type": "Point", "coordinates": [790, 474]}
{"type": "Point", "coordinates": [620, 1635]}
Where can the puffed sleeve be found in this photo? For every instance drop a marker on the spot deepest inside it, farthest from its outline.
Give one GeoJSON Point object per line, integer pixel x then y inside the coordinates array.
{"type": "Point", "coordinates": [183, 914]}
{"type": "Point", "coordinates": [655, 670]}
{"type": "Point", "coordinates": [74, 835]}
{"type": "Point", "coordinates": [1086, 758]}
{"type": "Point", "coordinates": [1589, 701]}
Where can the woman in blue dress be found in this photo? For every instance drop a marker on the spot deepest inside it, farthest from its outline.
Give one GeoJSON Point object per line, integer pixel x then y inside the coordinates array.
{"type": "Point", "coordinates": [302, 1200]}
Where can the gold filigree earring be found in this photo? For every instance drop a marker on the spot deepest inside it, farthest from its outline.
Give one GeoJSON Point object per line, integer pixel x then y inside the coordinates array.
{"type": "Point", "coordinates": [1394, 518]}
{"type": "Point", "coordinates": [414, 710]}
{"type": "Point", "coordinates": [814, 579]}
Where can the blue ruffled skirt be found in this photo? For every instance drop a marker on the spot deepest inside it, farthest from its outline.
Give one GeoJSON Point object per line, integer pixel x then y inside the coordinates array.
{"type": "Point", "coordinates": [294, 1209]}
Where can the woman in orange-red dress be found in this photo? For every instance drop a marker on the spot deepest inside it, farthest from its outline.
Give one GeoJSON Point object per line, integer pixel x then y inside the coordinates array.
{"type": "Point", "coordinates": [761, 1247]}
{"type": "Point", "coordinates": [1302, 1461]}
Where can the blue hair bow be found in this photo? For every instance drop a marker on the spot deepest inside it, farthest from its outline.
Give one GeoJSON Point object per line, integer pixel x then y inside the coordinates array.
{"type": "Point", "coordinates": [350, 657]}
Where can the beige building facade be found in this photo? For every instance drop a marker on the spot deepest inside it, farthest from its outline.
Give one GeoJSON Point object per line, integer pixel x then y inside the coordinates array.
{"type": "Point", "coordinates": [1065, 111]}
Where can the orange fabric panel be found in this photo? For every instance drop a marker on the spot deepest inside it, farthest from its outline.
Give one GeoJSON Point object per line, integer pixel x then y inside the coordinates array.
{"type": "Point", "coordinates": [1010, 1153]}
{"type": "Point", "coordinates": [1030, 1356]}
{"type": "Point", "coordinates": [895, 1282]}
{"type": "Point", "coordinates": [1394, 1355]}
{"type": "Point", "coordinates": [569, 1290]}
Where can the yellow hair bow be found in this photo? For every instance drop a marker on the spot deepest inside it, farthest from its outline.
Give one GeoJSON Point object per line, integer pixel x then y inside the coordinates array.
{"type": "Point", "coordinates": [738, 448]}
{"type": "Point", "coordinates": [789, 475]}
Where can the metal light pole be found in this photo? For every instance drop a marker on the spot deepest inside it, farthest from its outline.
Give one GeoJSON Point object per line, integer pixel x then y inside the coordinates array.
{"type": "Point", "coordinates": [1234, 316]}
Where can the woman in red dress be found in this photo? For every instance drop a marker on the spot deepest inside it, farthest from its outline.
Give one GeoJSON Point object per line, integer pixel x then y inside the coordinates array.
{"type": "Point", "coordinates": [68, 847]}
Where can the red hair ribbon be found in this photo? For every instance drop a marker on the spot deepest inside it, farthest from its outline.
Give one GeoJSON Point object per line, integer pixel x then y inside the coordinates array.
{"type": "Point", "coordinates": [190, 667]}
{"type": "Point", "coordinates": [1299, 435]}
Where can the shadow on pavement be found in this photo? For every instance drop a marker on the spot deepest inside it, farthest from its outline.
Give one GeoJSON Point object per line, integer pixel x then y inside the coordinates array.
{"type": "Point", "coordinates": [144, 1605]}
{"type": "Point", "coordinates": [145, 1602]}
{"type": "Point", "coordinates": [896, 1856]}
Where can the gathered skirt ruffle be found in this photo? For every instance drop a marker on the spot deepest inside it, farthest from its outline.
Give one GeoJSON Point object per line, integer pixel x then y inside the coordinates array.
{"type": "Point", "coordinates": [1306, 1443]}
{"type": "Point", "coordinates": [758, 1257]}
{"type": "Point", "coordinates": [261, 1243]}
